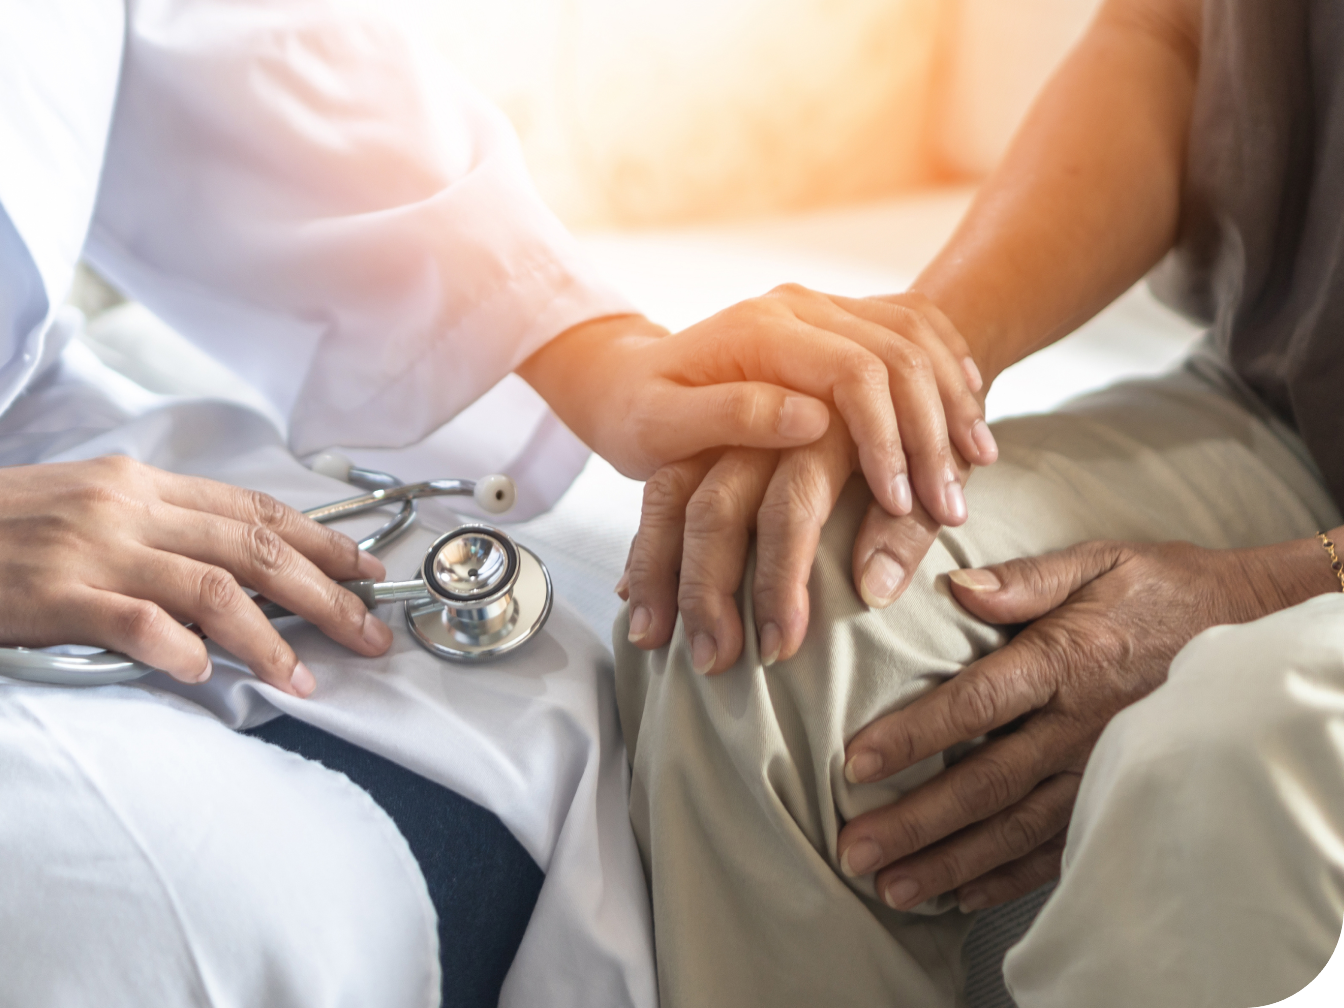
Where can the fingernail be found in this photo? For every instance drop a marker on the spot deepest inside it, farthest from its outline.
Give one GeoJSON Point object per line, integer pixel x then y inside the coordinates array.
{"type": "Point", "coordinates": [302, 681]}
{"type": "Point", "coordinates": [800, 420]}
{"type": "Point", "coordinates": [954, 500]}
{"type": "Point", "coordinates": [984, 441]}
{"type": "Point", "coordinates": [863, 767]}
{"type": "Point", "coordinates": [973, 379]}
{"type": "Point", "coordinates": [377, 634]}
{"type": "Point", "coordinates": [971, 901]}
{"type": "Point", "coordinates": [370, 567]}
{"type": "Point", "coordinates": [900, 492]}
{"type": "Point", "coordinates": [881, 579]}
{"type": "Point", "coordinates": [622, 585]}
{"type": "Point", "coordinates": [640, 621]}
{"type": "Point", "coordinates": [209, 667]}
{"type": "Point", "coordinates": [976, 580]}
{"type": "Point", "coordinates": [902, 894]}
{"type": "Point", "coordinates": [704, 652]}
{"type": "Point", "coordinates": [859, 858]}
{"type": "Point", "coordinates": [771, 639]}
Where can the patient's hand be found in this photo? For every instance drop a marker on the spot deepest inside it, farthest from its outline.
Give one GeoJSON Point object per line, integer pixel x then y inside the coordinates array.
{"type": "Point", "coordinates": [690, 551]}
{"type": "Point", "coordinates": [763, 373]}
{"type": "Point", "coordinates": [114, 553]}
{"type": "Point", "coordinates": [1109, 618]}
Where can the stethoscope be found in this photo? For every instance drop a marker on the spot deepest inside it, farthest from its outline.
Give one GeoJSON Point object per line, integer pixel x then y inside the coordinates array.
{"type": "Point", "coordinates": [479, 594]}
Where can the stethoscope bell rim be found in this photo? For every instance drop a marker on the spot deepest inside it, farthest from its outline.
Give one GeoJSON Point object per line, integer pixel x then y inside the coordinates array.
{"type": "Point", "coordinates": [445, 622]}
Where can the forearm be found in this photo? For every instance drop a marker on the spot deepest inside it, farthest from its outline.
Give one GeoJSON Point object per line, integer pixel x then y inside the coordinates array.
{"type": "Point", "coordinates": [1088, 197]}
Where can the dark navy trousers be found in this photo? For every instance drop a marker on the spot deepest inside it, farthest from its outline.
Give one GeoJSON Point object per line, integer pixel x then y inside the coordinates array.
{"type": "Point", "coordinates": [481, 880]}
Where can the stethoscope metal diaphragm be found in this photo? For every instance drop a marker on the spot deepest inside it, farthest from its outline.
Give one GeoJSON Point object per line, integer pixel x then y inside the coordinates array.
{"type": "Point", "coordinates": [485, 595]}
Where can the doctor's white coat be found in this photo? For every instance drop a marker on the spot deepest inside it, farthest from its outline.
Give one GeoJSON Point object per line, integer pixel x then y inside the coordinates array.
{"type": "Point", "coordinates": [302, 193]}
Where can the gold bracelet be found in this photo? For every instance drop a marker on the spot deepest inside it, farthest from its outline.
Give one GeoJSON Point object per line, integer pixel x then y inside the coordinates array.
{"type": "Point", "coordinates": [1335, 564]}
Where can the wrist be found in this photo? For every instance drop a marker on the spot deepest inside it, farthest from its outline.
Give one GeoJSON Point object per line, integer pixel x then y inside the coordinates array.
{"type": "Point", "coordinates": [1286, 574]}
{"type": "Point", "coordinates": [580, 369]}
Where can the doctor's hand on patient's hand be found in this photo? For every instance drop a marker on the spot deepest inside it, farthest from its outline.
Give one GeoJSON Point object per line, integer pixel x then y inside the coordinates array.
{"type": "Point", "coordinates": [117, 554]}
{"type": "Point", "coordinates": [763, 374]}
{"type": "Point", "coordinates": [691, 549]}
{"type": "Point", "coordinates": [1108, 619]}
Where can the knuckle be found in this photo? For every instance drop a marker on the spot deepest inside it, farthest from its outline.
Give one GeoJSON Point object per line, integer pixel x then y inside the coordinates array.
{"type": "Point", "coordinates": [916, 363]}
{"type": "Point", "coordinates": [977, 705]}
{"type": "Point", "coordinates": [949, 867]}
{"type": "Point", "coordinates": [800, 506]}
{"type": "Point", "coordinates": [276, 655]}
{"type": "Point", "coordinates": [696, 597]}
{"type": "Point", "coordinates": [987, 786]}
{"type": "Point", "coordinates": [1023, 830]}
{"type": "Point", "coordinates": [714, 507]}
{"type": "Point", "coordinates": [101, 494]}
{"type": "Point", "coordinates": [116, 467]}
{"type": "Point", "coordinates": [216, 590]}
{"type": "Point", "coordinates": [265, 509]}
{"type": "Point", "coordinates": [140, 622]}
{"type": "Point", "coordinates": [743, 408]}
{"type": "Point", "coordinates": [666, 491]}
{"type": "Point", "coordinates": [902, 835]}
{"type": "Point", "coordinates": [791, 289]}
{"type": "Point", "coordinates": [866, 368]}
{"type": "Point", "coordinates": [348, 608]}
{"type": "Point", "coordinates": [342, 548]}
{"type": "Point", "coordinates": [265, 549]}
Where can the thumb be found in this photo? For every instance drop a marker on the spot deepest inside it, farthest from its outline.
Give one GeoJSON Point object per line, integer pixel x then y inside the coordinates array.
{"type": "Point", "coordinates": [1026, 589]}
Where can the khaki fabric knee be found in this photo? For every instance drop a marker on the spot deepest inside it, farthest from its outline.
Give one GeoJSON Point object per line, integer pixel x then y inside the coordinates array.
{"type": "Point", "coordinates": [738, 790]}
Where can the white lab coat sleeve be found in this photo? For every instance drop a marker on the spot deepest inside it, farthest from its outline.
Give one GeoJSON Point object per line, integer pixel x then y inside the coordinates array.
{"type": "Point", "coordinates": [306, 194]}
{"type": "Point", "coordinates": [59, 62]}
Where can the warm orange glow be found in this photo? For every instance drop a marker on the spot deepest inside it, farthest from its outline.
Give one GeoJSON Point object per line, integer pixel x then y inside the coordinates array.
{"type": "Point", "coordinates": [639, 112]}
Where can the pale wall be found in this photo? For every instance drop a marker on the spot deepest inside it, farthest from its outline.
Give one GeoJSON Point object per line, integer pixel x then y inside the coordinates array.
{"type": "Point", "coordinates": [645, 112]}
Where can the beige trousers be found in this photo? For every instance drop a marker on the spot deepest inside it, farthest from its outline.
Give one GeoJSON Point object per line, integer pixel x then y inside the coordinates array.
{"type": "Point", "coordinates": [738, 791]}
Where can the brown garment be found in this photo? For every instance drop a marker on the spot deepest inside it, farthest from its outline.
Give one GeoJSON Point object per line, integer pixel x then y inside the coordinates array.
{"type": "Point", "coordinates": [1260, 256]}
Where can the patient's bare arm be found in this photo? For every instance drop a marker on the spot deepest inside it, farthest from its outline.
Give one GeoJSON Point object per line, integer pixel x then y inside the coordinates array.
{"type": "Point", "coordinates": [1086, 201]}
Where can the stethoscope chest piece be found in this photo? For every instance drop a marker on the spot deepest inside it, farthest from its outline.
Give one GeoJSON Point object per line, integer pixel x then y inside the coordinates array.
{"type": "Point", "coordinates": [486, 595]}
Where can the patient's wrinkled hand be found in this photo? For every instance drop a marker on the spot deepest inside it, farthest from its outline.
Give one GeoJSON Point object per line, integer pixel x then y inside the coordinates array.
{"type": "Point", "coordinates": [114, 553]}
{"type": "Point", "coordinates": [691, 548]}
{"type": "Point", "coordinates": [1109, 618]}
{"type": "Point", "coordinates": [763, 373]}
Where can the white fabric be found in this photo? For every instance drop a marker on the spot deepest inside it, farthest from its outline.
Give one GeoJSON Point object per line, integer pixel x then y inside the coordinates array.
{"type": "Point", "coordinates": [1213, 807]}
{"type": "Point", "coordinates": [532, 737]}
{"type": "Point", "coordinates": [140, 889]}
{"type": "Point", "coordinates": [342, 223]}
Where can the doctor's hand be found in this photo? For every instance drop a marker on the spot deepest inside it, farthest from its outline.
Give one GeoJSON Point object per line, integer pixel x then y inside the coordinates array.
{"type": "Point", "coordinates": [1108, 619]}
{"type": "Point", "coordinates": [117, 554]}
{"type": "Point", "coordinates": [691, 549]}
{"type": "Point", "coordinates": [764, 374]}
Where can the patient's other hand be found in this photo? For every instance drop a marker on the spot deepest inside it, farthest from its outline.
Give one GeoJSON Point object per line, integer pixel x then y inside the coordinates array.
{"type": "Point", "coordinates": [691, 548]}
{"type": "Point", "coordinates": [1105, 620]}
{"type": "Point", "coordinates": [114, 553]}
